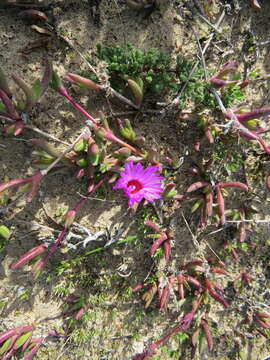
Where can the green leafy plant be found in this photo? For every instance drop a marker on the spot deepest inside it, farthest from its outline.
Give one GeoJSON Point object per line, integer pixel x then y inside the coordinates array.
{"type": "Point", "coordinates": [150, 69]}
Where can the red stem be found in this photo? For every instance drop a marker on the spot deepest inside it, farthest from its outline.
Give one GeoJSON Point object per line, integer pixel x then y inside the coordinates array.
{"type": "Point", "coordinates": [107, 133]}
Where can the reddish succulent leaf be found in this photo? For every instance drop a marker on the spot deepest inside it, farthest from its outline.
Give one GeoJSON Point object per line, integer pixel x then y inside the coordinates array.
{"type": "Point", "coordinates": [33, 186]}
{"type": "Point", "coordinates": [192, 264]}
{"type": "Point", "coordinates": [219, 80]}
{"type": "Point", "coordinates": [149, 295]}
{"type": "Point", "coordinates": [80, 313]}
{"type": "Point", "coordinates": [8, 355]}
{"type": "Point", "coordinates": [256, 4]}
{"type": "Point", "coordinates": [219, 83]}
{"type": "Point", "coordinates": [165, 295]}
{"type": "Point", "coordinates": [250, 135]}
{"type": "Point", "coordinates": [84, 81]}
{"type": "Point", "coordinates": [18, 127]}
{"type": "Point", "coordinates": [157, 243]}
{"type": "Point", "coordinates": [214, 294]}
{"type": "Point", "coordinates": [197, 144]}
{"type": "Point", "coordinates": [8, 344]}
{"type": "Point", "coordinates": [184, 324]}
{"type": "Point", "coordinates": [203, 220]}
{"type": "Point", "coordinates": [242, 232]}
{"type": "Point", "coordinates": [219, 298]}
{"type": "Point", "coordinates": [268, 182]}
{"type": "Point", "coordinates": [205, 327]}
{"type": "Point", "coordinates": [167, 249]}
{"type": "Point", "coordinates": [181, 291]}
{"type": "Point", "coordinates": [16, 331]}
{"type": "Point", "coordinates": [32, 352]}
{"type": "Point", "coordinates": [208, 134]}
{"type": "Point", "coordinates": [46, 76]}
{"type": "Point", "coordinates": [192, 281]}
{"type": "Point", "coordinates": [262, 323]}
{"type": "Point", "coordinates": [153, 226]}
{"type": "Point", "coordinates": [197, 185]}
{"type": "Point", "coordinates": [235, 184]}
{"type": "Point", "coordinates": [138, 287]}
{"type": "Point", "coordinates": [262, 315]}
{"type": "Point", "coordinates": [218, 270]}
{"type": "Point", "coordinates": [31, 254]}
{"type": "Point", "coordinates": [221, 206]}
{"type": "Point", "coordinates": [230, 66]}
{"type": "Point", "coordinates": [7, 334]}
{"type": "Point", "coordinates": [33, 15]}
{"type": "Point", "coordinates": [12, 112]}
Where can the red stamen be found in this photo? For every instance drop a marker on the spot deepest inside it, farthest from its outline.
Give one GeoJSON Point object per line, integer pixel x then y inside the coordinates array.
{"type": "Point", "coordinates": [137, 186]}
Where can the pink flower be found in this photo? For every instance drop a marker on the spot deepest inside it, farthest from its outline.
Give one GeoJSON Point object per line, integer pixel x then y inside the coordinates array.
{"type": "Point", "coordinates": [139, 183]}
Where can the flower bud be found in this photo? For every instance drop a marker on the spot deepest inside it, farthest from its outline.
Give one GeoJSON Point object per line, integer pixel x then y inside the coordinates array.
{"type": "Point", "coordinates": [137, 91]}
{"type": "Point", "coordinates": [84, 82]}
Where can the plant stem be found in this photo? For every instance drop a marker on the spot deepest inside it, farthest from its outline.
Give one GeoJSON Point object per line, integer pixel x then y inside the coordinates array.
{"type": "Point", "coordinates": [62, 91]}
{"type": "Point", "coordinates": [110, 136]}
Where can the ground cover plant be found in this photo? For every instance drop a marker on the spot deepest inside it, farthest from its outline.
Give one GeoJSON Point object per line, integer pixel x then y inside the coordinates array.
{"type": "Point", "coordinates": [175, 148]}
